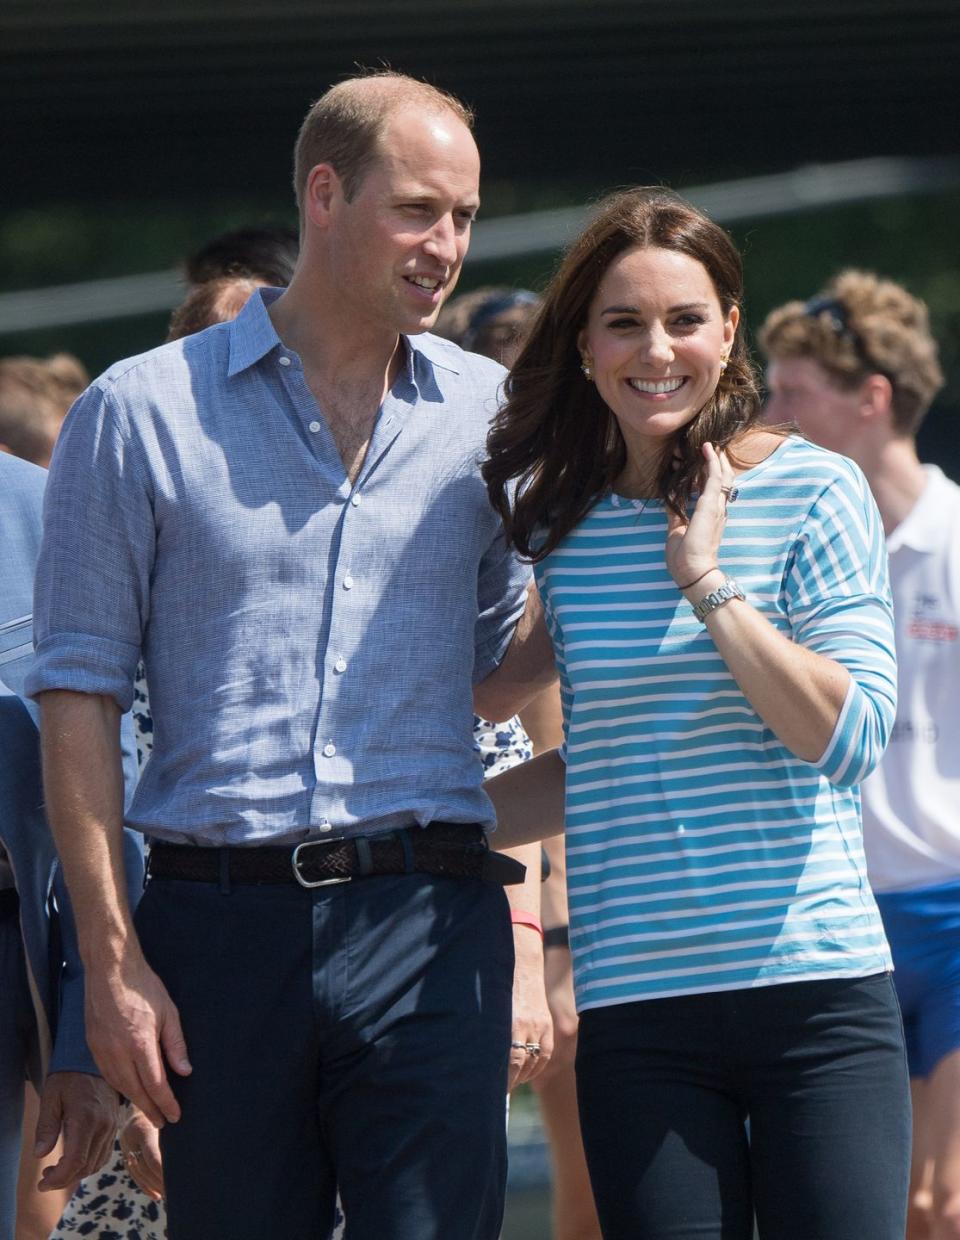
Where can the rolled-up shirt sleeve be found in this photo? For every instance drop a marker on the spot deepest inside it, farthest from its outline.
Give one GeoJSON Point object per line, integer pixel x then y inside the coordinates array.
{"type": "Point", "coordinates": [91, 596]}
{"type": "Point", "coordinates": [837, 595]}
{"type": "Point", "coordinates": [501, 597]}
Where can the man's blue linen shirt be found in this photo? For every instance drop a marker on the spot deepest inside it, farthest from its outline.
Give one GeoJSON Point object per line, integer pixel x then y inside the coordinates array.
{"type": "Point", "coordinates": [310, 644]}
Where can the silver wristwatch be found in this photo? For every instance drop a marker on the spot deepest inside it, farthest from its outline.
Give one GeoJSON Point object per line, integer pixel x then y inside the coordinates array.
{"type": "Point", "coordinates": [716, 598]}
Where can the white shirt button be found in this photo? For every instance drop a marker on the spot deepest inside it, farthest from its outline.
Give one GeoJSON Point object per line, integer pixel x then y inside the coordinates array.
{"type": "Point", "coordinates": [348, 582]}
{"type": "Point", "coordinates": [324, 826]}
{"type": "Point", "coordinates": [340, 665]}
{"type": "Point", "coordinates": [355, 499]}
{"type": "Point", "coordinates": [329, 749]}
{"type": "Point", "coordinates": [284, 361]}
{"type": "Point", "coordinates": [314, 426]}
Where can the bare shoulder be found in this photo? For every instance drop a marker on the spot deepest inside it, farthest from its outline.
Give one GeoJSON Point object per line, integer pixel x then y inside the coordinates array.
{"type": "Point", "coordinates": [754, 446]}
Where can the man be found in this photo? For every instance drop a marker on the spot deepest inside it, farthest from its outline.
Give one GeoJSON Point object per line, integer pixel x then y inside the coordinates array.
{"type": "Point", "coordinates": [285, 514]}
{"type": "Point", "coordinates": [41, 1016]}
{"type": "Point", "coordinates": [856, 367]}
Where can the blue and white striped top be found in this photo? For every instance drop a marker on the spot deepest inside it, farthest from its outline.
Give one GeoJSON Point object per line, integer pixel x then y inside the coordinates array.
{"type": "Point", "coordinates": [702, 855]}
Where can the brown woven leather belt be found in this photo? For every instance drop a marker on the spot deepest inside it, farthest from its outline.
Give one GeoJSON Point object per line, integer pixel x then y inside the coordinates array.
{"type": "Point", "coordinates": [448, 849]}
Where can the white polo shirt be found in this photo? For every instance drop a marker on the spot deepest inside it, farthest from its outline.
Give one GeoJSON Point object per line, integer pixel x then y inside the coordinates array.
{"type": "Point", "coordinates": [911, 802]}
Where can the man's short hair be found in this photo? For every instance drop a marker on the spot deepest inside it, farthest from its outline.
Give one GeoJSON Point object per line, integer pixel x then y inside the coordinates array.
{"type": "Point", "coordinates": [860, 325]}
{"type": "Point", "coordinates": [344, 125]}
{"type": "Point", "coordinates": [35, 394]}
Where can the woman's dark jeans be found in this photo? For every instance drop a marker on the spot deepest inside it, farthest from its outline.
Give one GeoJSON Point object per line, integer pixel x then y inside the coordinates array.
{"type": "Point", "coordinates": [788, 1102]}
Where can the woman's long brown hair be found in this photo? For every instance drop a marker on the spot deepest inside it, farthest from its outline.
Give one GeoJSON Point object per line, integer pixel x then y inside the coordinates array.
{"type": "Point", "coordinates": [555, 437]}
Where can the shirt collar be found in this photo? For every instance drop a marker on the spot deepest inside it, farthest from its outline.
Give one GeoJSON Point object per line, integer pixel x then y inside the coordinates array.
{"type": "Point", "coordinates": [253, 336]}
{"type": "Point", "coordinates": [922, 527]}
{"type": "Point", "coordinates": [434, 350]}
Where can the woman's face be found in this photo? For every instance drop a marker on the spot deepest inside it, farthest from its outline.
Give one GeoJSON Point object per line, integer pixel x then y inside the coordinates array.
{"type": "Point", "coordinates": [655, 336]}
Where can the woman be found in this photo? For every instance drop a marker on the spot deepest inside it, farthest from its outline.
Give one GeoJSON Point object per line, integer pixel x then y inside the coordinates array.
{"type": "Point", "coordinates": [717, 596]}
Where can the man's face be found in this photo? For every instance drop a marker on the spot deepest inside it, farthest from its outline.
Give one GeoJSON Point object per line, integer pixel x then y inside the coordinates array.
{"type": "Point", "coordinates": [801, 391]}
{"type": "Point", "coordinates": [399, 245]}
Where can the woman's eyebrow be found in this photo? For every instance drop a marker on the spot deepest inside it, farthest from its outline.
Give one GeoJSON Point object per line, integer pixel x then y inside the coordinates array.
{"type": "Point", "coordinates": [692, 305]}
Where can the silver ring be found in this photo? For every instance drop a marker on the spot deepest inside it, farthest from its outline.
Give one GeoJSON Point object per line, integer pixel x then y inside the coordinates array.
{"type": "Point", "coordinates": [518, 1046]}
{"type": "Point", "coordinates": [133, 1156]}
{"type": "Point", "coordinates": [731, 493]}
{"type": "Point", "coordinates": [532, 1048]}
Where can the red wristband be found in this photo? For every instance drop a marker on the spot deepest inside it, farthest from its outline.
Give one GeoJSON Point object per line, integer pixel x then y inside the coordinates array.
{"type": "Point", "coordinates": [520, 918]}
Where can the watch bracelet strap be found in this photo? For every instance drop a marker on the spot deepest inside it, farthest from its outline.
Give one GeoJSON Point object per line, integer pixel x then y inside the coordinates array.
{"type": "Point", "coordinates": [724, 593]}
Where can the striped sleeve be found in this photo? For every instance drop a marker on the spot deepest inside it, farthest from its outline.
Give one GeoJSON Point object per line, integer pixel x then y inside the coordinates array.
{"type": "Point", "coordinates": [837, 595]}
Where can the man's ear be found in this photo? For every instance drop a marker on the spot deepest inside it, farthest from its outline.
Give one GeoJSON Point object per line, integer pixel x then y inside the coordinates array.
{"type": "Point", "coordinates": [320, 192]}
{"type": "Point", "coordinates": [875, 398]}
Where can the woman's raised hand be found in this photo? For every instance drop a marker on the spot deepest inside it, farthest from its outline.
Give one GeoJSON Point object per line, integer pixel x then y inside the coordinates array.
{"type": "Point", "coordinates": [693, 544]}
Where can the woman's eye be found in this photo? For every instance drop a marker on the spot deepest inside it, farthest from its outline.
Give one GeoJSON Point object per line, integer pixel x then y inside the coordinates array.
{"type": "Point", "coordinates": [689, 320]}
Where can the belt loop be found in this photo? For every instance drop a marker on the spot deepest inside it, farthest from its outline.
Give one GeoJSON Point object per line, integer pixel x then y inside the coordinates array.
{"type": "Point", "coordinates": [224, 859]}
{"type": "Point", "coordinates": [364, 856]}
{"type": "Point", "coordinates": [407, 845]}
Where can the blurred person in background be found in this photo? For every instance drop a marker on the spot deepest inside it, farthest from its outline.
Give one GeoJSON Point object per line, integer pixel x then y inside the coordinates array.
{"type": "Point", "coordinates": [35, 394]}
{"type": "Point", "coordinates": [857, 368]}
{"type": "Point", "coordinates": [216, 301]}
{"type": "Point", "coordinates": [495, 321]}
{"type": "Point", "coordinates": [263, 252]}
{"type": "Point", "coordinates": [41, 982]}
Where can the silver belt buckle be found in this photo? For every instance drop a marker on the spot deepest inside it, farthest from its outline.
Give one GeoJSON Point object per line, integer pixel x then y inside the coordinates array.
{"type": "Point", "coordinates": [322, 882]}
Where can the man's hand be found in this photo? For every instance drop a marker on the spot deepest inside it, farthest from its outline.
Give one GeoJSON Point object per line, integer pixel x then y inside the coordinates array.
{"type": "Point", "coordinates": [531, 1016]}
{"type": "Point", "coordinates": [132, 1027]}
{"type": "Point", "coordinates": [86, 1110]}
{"type": "Point", "coordinates": [140, 1144]}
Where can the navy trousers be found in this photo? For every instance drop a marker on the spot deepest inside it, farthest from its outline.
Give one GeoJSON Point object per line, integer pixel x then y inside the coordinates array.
{"type": "Point", "coordinates": [667, 1088]}
{"type": "Point", "coordinates": [353, 1036]}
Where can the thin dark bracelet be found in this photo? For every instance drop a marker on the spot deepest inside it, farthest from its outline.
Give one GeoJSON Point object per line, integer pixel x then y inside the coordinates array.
{"type": "Point", "coordinates": [715, 569]}
{"type": "Point", "coordinates": [557, 936]}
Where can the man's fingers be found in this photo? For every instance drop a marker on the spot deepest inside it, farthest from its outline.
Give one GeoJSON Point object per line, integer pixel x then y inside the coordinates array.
{"type": "Point", "coordinates": [175, 1044]}
{"type": "Point", "coordinates": [154, 1083]}
{"type": "Point", "coordinates": [122, 1074]}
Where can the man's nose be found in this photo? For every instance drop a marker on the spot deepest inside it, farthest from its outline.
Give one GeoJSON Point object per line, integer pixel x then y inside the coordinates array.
{"type": "Point", "coordinates": [442, 242]}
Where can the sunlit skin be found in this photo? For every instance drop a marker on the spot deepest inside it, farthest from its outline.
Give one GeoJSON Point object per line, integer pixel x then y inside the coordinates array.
{"type": "Point", "coordinates": [801, 391]}
{"type": "Point", "coordinates": [655, 320]}
{"type": "Point", "coordinates": [401, 241]}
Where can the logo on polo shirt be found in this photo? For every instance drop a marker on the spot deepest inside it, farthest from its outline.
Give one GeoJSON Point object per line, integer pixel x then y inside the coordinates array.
{"type": "Point", "coordinates": [926, 626]}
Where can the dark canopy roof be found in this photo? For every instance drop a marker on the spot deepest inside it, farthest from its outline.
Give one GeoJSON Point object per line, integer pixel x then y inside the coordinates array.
{"type": "Point", "coordinates": [108, 100]}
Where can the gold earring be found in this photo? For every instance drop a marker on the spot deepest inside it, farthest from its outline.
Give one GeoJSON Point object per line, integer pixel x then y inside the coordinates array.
{"type": "Point", "coordinates": [587, 370]}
